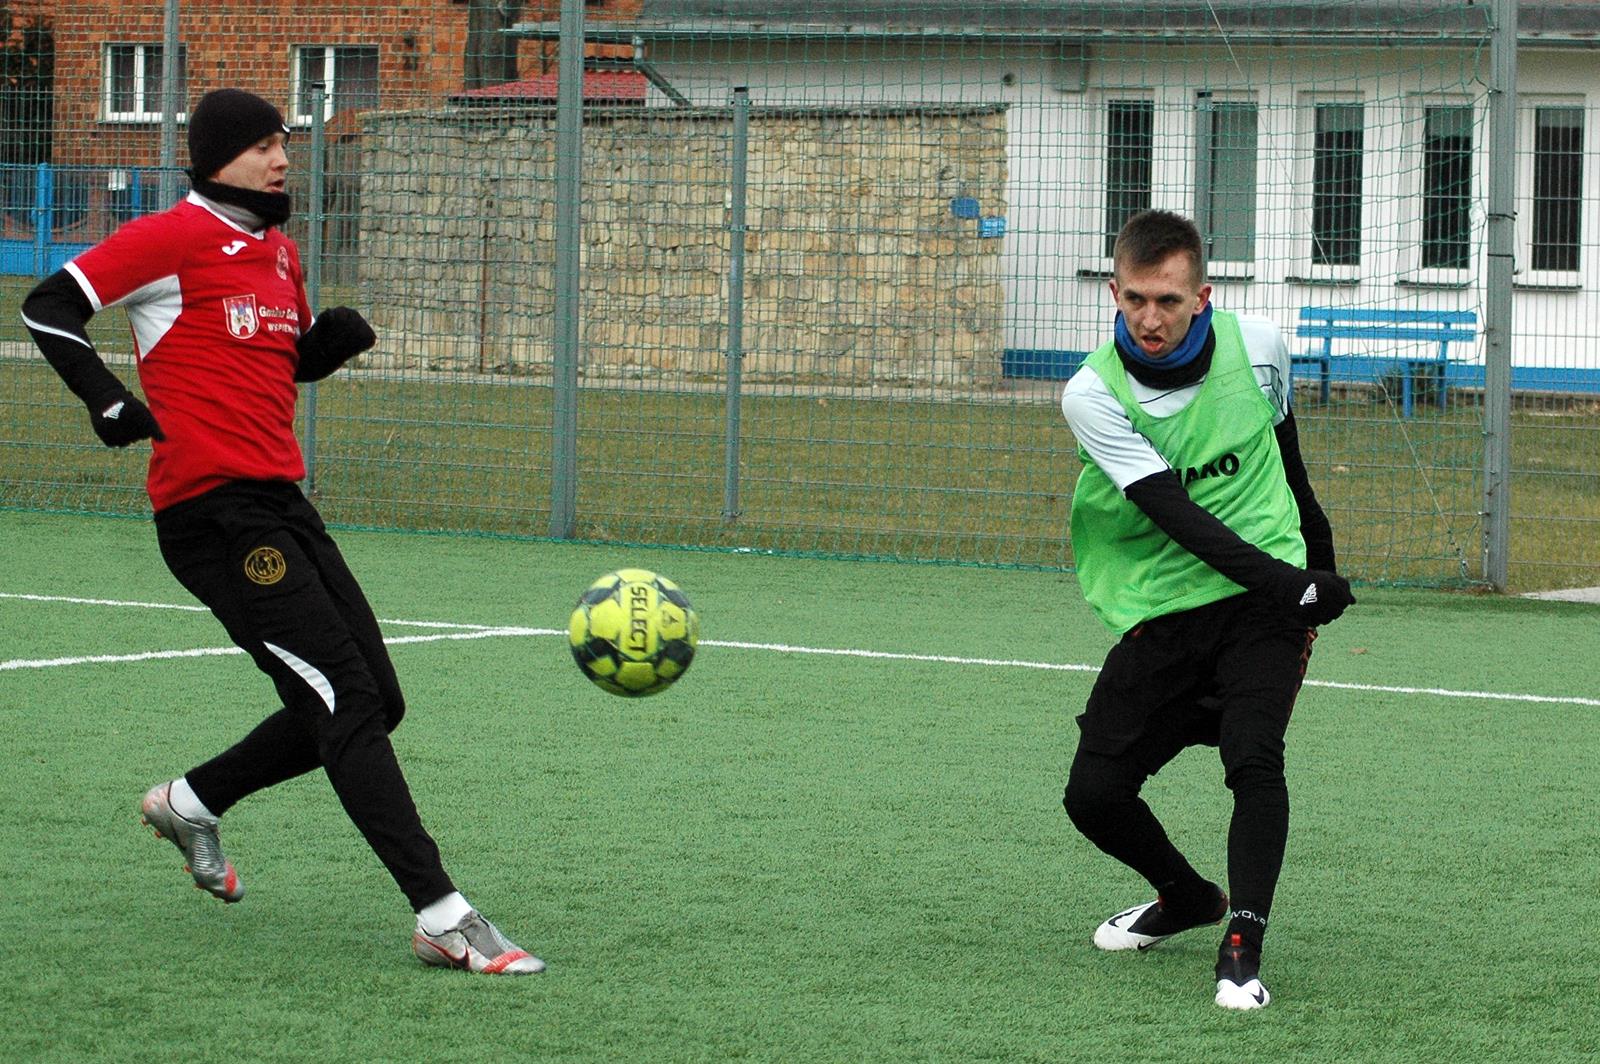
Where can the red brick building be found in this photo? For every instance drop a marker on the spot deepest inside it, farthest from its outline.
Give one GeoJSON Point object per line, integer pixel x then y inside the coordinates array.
{"type": "Point", "coordinates": [108, 60]}
{"type": "Point", "coordinates": [97, 122]}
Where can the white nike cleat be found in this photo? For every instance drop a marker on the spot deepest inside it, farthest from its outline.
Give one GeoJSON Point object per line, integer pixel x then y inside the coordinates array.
{"type": "Point", "coordinates": [197, 840]}
{"type": "Point", "coordinates": [1252, 995]}
{"type": "Point", "coordinates": [1239, 975]}
{"type": "Point", "coordinates": [1147, 925]}
{"type": "Point", "coordinates": [474, 945]}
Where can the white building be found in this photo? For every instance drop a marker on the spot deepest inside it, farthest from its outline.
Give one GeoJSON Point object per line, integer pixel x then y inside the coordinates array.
{"type": "Point", "coordinates": [1335, 154]}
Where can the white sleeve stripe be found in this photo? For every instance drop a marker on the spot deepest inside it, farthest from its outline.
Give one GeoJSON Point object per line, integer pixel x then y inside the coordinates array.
{"type": "Point", "coordinates": [83, 283]}
{"type": "Point", "coordinates": [319, 683]}
{"type": "Point", "coordinates": [1103, 429]}
{"type": "Point", "coordinates": [153, 310]}
{"type": "Point", "coordinates": [36, 327]}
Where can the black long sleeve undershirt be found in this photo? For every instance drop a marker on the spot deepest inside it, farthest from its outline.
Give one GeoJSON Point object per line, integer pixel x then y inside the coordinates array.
{"type": "Point", "coordinates": [56, 313]}
{"type": "Point", "coordinates": [1194, 528]}
{"type": "Point", "coordinates": [1314, 524]}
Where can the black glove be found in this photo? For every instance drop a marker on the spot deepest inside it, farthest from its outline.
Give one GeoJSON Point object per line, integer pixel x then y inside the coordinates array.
{"type": "Point", "coordinates": [1313, 597]}
{"type": "Point", "coordinates": [123, 419]}
{"type": "Point", "coordinates": [335, 337]}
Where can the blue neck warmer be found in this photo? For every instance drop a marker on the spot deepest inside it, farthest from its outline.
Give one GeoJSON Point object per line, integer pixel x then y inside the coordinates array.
{"type": "Point", "coordinates": [1194, 341]}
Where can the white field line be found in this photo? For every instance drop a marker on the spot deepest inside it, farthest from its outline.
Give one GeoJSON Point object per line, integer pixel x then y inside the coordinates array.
{"type": "Point", "coordinates": [479, 631]}
{"type": "Point", "coordinates": [1055, 667]}
{"type": "Point", "coordinates": [190, 608]}
{"type": "Point", "coordinates": [211, 652]}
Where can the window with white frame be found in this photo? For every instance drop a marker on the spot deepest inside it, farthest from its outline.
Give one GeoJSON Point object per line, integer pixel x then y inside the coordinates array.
{"type": "Point", "coordinates": [1446, 187]}
{"type": "Point", "coordinates": [132, 83]}
{"type": "Point", "coordinates": [1338, 137]}
{"type": "Point", "coordinates": [1553, 184]}
{"type": "Point", "coordinates": [1130, 163]}
{"type": "Point", "coordinates": [348, 75]}
{"type": "Point", "coordinates": [1226, 134]}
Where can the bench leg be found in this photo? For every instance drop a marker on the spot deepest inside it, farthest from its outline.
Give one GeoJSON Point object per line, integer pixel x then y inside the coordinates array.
{"type": "Point", "coordinates": [1406, 390]}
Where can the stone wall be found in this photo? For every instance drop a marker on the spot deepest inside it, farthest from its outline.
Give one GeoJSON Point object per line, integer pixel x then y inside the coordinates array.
{"type": "Point", "coordinates": [857, 269]}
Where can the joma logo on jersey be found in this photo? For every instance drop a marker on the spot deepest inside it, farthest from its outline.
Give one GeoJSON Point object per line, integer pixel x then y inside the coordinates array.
{"type": "Point", "coordinates": [243, 321]}
{"type": "Point", "coordinates": [1226, 466]}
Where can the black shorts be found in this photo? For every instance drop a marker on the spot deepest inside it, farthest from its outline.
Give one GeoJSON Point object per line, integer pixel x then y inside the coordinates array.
{"type": "Point", "coordinates": [1186, 678]}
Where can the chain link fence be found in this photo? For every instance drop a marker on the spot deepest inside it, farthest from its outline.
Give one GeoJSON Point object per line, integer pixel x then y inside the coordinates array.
{"type": "Point", "coordinates": [834, 261]}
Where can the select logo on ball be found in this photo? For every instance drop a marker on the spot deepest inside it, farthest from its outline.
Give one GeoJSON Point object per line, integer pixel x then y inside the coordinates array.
{"type": "Point", "coordinates": [633, 632]}
{"type": "Point", "coordinates": [640, 618]}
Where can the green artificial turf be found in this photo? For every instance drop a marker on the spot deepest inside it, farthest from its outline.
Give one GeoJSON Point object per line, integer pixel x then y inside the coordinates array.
{"type": "Point", "coordinates": [791, 856]}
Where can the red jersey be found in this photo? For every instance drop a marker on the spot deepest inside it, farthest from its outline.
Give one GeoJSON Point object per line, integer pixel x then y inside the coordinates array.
{"type": "Point", "coordinates": [215, 311]}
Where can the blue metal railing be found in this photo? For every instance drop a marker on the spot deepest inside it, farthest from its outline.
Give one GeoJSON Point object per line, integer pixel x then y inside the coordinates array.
{"type": "Point", "coordinates": [51, 213]}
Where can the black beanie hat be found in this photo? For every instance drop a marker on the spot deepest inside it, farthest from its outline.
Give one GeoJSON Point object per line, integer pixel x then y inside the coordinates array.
{"type": "Point", "coordinates": [225, 123]}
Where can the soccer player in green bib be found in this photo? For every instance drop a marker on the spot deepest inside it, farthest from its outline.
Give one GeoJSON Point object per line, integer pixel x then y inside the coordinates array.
{"type": "Point", "coordinates": [1200, 542]}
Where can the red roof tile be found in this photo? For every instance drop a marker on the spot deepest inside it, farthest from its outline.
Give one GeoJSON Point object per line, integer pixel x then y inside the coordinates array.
{"type": "Point", "coordinates": [617, 85]}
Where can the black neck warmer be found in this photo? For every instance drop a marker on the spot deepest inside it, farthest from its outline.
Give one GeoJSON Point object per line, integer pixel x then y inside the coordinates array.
{"type": "Point", "coordinates": [273, 208]}
{"type": "Point", "coordinates": [1171, 379]}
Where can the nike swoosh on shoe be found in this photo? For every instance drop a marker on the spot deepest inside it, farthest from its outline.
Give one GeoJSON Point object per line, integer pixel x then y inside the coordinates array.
{"type": "Point", "coordinates": [455, 962]}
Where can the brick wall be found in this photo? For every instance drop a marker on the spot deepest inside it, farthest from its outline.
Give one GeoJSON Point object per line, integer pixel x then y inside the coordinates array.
{"type": "Point", "coordinates": [248, 45]}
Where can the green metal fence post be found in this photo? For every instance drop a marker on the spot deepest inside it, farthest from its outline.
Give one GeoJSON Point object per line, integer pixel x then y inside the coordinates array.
{"type": "Point", "coordinates": [313, 267]}
{"type": "Point", "coordinates": [736, 249]}
{"type": "Point", "coordinates": [170, 104]}
{"type": "Point", "coordinates": [1498, 296]}
{"type": "Point", "coordinates": [569, 178]}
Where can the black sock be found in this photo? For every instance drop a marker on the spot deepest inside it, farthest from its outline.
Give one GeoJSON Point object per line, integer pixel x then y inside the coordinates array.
{"type": "Point", "coordinates": [1192, 893]}
{"type": "Point", "coordinates": [1250, 927]}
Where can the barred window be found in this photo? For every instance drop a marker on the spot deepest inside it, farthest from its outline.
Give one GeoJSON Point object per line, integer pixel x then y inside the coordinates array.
{"type": "Point", "coordinates": [1336, 172]}
{"type": "Point", "coordinates": [1130, 158]}
{"type": "Point", "coordinates": [1447, 187]}
{"type": "Point", "coordinates": [1557, 187]}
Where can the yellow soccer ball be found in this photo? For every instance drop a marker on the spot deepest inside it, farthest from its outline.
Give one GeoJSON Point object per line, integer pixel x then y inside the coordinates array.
{"type": "Point", "coordinates": [633, 632]}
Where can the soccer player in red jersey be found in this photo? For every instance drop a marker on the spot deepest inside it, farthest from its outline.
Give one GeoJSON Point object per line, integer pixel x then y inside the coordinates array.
{"type": "Point", "coordinates": [223, 334]}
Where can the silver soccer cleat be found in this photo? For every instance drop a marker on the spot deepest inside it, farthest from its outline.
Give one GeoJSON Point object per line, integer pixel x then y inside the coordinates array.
{"type": "Point", "coordinates": [196, 839]}
{"type": "Point", "coordinates": [475, 945]}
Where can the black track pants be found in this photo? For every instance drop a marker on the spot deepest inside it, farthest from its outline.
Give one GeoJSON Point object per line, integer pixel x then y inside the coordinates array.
{"type": "Point", "coordinates": [258, 556]}
{"type": "Point", "coordinates": [1223, 675]}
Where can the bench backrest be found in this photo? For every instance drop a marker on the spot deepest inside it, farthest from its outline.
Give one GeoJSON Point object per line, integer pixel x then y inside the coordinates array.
{"type": "Point", "coordinates": [1361, 323]}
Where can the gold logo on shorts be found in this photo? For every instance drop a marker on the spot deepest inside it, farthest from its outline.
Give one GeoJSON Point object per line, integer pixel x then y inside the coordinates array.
{"type": "Point", "coordinates": [264, 565]}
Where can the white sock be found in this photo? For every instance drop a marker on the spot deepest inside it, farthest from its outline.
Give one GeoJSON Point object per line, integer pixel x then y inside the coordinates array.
{"type": "Point", "coordinates": [444, 914]}
{"type": "Point", "coordinates": [186, 804]}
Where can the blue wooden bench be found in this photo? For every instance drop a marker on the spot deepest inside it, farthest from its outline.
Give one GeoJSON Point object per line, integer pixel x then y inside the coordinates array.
{"type": "Point", "coordinates": [1385, 329]}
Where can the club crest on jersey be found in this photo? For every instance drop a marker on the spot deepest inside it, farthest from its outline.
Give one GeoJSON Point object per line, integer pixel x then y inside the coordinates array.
{"type": "Point", "coordinates": [265, 566]}
{"type": "Point", "coordinates": [243, 321]}
{"type": "Point", "coordinates": [283, 263]}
